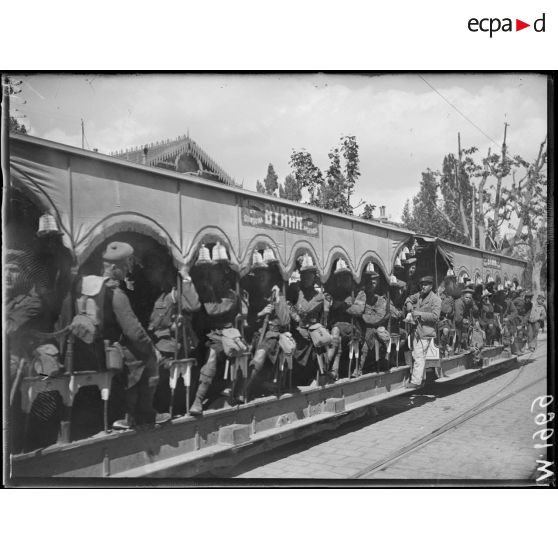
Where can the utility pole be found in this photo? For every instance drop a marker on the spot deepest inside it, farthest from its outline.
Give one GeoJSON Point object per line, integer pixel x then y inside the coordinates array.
{"type": "Point", "coordinates": [82, 135]}
{"type": "Point", "coordinates": [6, 90]}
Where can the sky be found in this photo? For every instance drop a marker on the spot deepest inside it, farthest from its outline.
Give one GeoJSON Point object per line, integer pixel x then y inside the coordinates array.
{"type": "Point", "coordinates": [403, 123]}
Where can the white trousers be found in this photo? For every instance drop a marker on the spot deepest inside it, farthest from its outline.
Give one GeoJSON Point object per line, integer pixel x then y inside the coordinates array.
{"type": "Point", "coordinates": [419, 360]}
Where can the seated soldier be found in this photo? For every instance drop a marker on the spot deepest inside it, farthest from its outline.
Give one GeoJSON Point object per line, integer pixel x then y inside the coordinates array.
{"type": "Point", "coordinates": [344, 308]}
{"type": "Point", "coordinates": [105, 317]}
{"type": "Point", "coordinates": [464, 307]}
{"type": "Point", "coordinates": [222, 307]}
{"type": "Point", "coordinates": [507, 335]}
{"type": "Point", "coordinates": [268, 318]}
{"type": "Point", "coordinates": [424, 308]}
{"type": "Point", "coordinates": [445, 325]}
{"type": "Point", "coordinates": [170, 325]}
{"type": "Point", "coordinates": [375, 318]}
{"type": "Point", "coordinates": [478, 339]}
{"type": "Point", "coordinates": [487, 318]}
{"type": "Point", "coordinates": [308, 312]}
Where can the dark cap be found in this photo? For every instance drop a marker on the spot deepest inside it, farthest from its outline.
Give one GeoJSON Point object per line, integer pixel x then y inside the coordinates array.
{"type": "Point", "coordinates": [426, 279]}
{"type": "Point", "coordinates": [117, 251]}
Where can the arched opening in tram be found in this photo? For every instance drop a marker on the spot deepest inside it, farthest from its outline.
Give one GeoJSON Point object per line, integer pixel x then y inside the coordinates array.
{"type": "Point", "coordinates": [38, 280]}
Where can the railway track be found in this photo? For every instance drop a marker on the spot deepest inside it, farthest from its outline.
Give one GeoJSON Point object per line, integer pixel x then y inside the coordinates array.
{"type": "Point", "coordinates": [484, 405]}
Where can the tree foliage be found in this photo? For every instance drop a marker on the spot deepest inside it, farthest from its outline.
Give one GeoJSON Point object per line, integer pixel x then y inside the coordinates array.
{"type": "Point", "coordinates": [334, 190]}
{"type": "Point", "coordinates": [271, 181]}
{"type": "Point", "coordinates": [291, 190]}
{"type": "Point", "coordinates": [15, 126]}
{"type": "Point", "coordinates": [510, 209]}
{"type": "Point", "coordinates": [368, 211]}
{"type": "Point", "coordinates": [260, 187]}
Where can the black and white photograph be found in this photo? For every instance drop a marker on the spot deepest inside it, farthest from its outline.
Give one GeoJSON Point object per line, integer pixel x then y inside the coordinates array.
{"type": "Point", "coordinates": [278, 278]}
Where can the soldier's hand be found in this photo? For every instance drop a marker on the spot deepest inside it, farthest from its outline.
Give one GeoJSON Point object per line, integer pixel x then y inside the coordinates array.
{"type": "Point", "coordinates": [158, 355]}
{"type": "Point", "coordinates": [409, 307]}
{"type": "Point", "coordinates": [265, 311]}
{"type": "Point", "coordinates": [184, 274]}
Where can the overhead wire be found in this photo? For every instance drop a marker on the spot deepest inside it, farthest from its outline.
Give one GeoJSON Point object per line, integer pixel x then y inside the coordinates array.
{"type": "Point", "coordinates": [458, 111]}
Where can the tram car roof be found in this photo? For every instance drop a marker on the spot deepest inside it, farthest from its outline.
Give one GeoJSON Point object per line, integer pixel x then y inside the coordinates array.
{"type": "Point", "coordinates": [94, 196]}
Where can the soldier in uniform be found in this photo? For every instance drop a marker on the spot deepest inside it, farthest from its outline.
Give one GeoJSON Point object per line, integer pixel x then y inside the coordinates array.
{"type": "Point", "coordinates": [308, 311]}
{"type": "Point", "coordinates": [376, 315]}
{"type": "Point", "coordinates": [170, 325]}
{"type": "Point", "coordinates": [345, 308]}
{"type": "Point", "coordinates": [119, 325]}
{"type": "Point", "coordinates": [410, 276]}
{"type": "Point", "coordinates": [488, 319]}
{"type": "Point", "coordinates": [425, 307]}
{"type": "Point", "coordinates": [268, 315]}
{"type": "Point", "coordinates": [445, 325]}
{"type": "Point", "coordinates": [464, 307]}
{"type": "Point", "coordinates": [222, 307]}
{"type": "Point", "coordinates": [536, 314]}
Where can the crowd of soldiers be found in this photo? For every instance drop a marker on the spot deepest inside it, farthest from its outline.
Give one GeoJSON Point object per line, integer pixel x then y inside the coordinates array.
{"type": "Point", "coordinates": [251, 338]}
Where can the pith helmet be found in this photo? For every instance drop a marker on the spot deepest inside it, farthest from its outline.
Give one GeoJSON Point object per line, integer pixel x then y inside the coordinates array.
{"type": "Point", "coordinates": [269, 256]}
{"type": "Point", "coordinates": [204, 257]}
{"type": "Point", "coordinates": [490, 280]}
{"type": "Point", "coordinates": [370, 271]}
{"type": "Point", "coordinates": [404, 252]}
{"type": "Point", "coordinates": [219, 253]}
{"type": "Point", "coordinates": [450, 272]}
{"type": "Point", "coordinates": [308, 263]}
{"type": "Point", "coordinates": [397, 264]}
{"type": "Point", "coordinates": [257, 261]}
{"type": "Point", "coordinates": [410, 261]}
{"type": "Point", "coordinates": [341, 267]}
{"type": "Point", "coordinates": [48, 226]}
{"type": "Point", "coordinates": [117, 252]}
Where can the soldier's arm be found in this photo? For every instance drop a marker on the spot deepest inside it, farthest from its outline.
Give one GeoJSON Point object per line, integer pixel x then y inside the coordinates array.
{"type": "Point", "coordinates": [394, 311]}
{"type": "Point", "coordinates": [18, 317]}
{"type": "Point", "coordinates": [224, 307]}
{"type": "Point", "coordinates": [432, 316]}
{"type": "Point", "coordinates": [190, 298]}
{"type": "Point", "coordinates": [357, 308]}
{"type": "Point", "coordinates": [307, 307]}
{"type": "Point", "coordinates": [412, 299]}
{"type": "Point", "coordinates": [458, 313]}
{"type": "Point", "coordinates": [130, 325]}
{"type": "Point", "coordinates": [282, 313]}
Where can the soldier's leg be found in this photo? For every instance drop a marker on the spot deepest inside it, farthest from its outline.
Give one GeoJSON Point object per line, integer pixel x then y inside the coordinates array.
{"type": "Point", "coordinates": [419, 361]}
{"type": "Point", "coordinates": [207, 374]}
{"type": "Point", "coordinates": [533, 332]}
{"type": "Point", "coordinates": [256, 368]}
{"type": "Point", "coordinates": [334, 349]}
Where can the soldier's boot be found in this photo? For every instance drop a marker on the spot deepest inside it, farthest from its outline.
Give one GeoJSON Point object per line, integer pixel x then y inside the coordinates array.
{"type": "Point", "coordinates": [363, 355]}
{"type": "Point", "coordinates": [256, 366]}
{"type": "Point", "coordinates": [197, 406]}
{"type": "Point", "coordinates": [126, 423]}
{"type": "Point", "coordinates": [207, 373]}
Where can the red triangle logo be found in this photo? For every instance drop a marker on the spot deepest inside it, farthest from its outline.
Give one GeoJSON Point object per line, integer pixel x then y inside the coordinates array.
{"type": "Point", "coordinates": [519, 25]}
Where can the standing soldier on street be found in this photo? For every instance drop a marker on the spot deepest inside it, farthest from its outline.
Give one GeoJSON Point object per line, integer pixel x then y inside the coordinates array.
{"type": "Point", "coordinates": [375, 317]}
{"type": "Point", "coordinates": [104, 314]}
{"type": "Point", "coordinates": [345, 308]}
{"type": "Point", "coordinates": [537, 314]}
{"type": "Point", "coordinates": [424, 307]}
{"type": "Point", "coordinates": [222, 307]}
{"type": "Point", "coordinates": [268, 316]}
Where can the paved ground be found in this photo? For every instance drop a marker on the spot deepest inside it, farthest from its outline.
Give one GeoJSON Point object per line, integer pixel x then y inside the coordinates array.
{"type": "Point", "coordinates": [496, 444]}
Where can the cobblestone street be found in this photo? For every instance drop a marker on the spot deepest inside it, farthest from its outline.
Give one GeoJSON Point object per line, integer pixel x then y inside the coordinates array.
{"type": "Point", "coordinates": [495, 444]}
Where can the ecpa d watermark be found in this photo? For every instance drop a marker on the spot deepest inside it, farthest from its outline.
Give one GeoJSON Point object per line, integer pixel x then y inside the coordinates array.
{"type": "Point", "coordinates": [494, 25]}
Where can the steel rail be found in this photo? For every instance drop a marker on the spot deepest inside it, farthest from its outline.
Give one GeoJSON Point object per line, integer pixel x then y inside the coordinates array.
{"type": "Point", "coordinates": [456, 421]}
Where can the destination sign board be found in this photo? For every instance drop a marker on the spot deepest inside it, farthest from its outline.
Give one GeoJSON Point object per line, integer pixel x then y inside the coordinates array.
{"type": "Point", "coordinates": [257, 213]}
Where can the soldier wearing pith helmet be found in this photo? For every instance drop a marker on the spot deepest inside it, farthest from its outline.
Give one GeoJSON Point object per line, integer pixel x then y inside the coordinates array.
{"type": "Point", "coordinates": [119, 325]}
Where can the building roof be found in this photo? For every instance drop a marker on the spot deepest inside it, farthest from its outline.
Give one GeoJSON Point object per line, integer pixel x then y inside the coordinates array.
{"type": "Point", "coordinates": [181, 154]}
